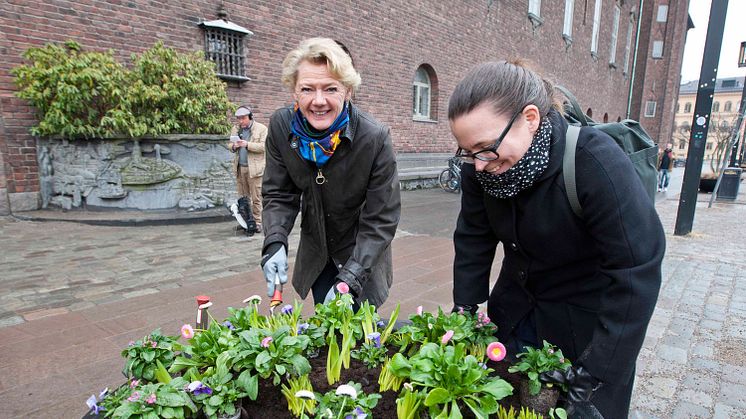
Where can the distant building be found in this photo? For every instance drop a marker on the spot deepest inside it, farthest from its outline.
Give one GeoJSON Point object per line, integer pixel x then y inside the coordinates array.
{"type": "Point", "coordinates": [411, 55]}
{"type": "Point", "coordinates": [725, 105]}
{"type": "Point", "coordinates": [660, 54]}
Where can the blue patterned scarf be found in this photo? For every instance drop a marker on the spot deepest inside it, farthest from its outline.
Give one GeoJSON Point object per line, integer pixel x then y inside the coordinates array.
{"type": "Point", "coordinates": [318, 147]}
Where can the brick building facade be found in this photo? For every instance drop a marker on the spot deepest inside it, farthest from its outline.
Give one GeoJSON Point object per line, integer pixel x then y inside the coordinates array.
{"type": "Point", "coordinates": [389, 40]}
{"type": "Point", "coordinates": [663, 30]}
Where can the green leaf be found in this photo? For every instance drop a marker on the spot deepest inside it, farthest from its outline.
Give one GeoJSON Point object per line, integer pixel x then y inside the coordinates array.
{"type": "Point", "coordinates": [437, 396]}
{"type": "Point", "coordinates": [249, 383]}
{"type": "Point", "coordinates": [215, 400]}
{"type": "Point", "coordinates": [497, 388]}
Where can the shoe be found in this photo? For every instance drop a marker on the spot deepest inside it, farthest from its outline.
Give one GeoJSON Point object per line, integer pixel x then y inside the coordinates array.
{"type": "Point", "coordinates": [665, 189]}
{"type": "Point", "coordinates": [659, 189]}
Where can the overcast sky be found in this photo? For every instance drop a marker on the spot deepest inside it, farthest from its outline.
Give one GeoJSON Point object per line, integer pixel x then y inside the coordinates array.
{"type": "Point", "coordinates": [734, 34]}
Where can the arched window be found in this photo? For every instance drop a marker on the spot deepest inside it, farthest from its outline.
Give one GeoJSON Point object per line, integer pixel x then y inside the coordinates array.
{"type": "Point", "coordinates": [606, 118]}
{"type": "Point", "coordinates": [728, 106]}
{"type": "Point", "coordinates": [589, 112]}
{"type": "Point", "coordinates": [716, 107]}
{"type": "Point", "coordinates": [688, 107]}
{"type": "Point", "coordinates": [421, 94]}
{"type": "Point", "coordinates": [682, 144]}
{"type": "Point", "coordinates": [619, 119]}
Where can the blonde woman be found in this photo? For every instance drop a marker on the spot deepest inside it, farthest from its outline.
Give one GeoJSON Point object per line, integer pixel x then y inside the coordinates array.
{"type": "Point", "coordinates": [341, 161]}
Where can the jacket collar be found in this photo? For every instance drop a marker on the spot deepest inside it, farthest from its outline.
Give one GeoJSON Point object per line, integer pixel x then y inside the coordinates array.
{"type": "Point", "coordinates": [557, 149]}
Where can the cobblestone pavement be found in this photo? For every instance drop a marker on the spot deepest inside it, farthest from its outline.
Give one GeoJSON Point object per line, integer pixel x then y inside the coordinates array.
{"type": "Point", "coordinates": [72, 295]}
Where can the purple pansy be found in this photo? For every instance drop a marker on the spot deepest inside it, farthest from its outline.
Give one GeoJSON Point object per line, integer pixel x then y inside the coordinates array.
{"type": "Point", "coordinates": [376, 338]}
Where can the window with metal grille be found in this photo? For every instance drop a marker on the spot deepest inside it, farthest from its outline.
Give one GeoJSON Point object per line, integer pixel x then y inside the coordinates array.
{"type": "Point", "coordinates": [225, 46]}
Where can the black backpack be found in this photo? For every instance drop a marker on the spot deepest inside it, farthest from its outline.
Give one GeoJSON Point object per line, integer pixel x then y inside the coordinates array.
{"type": "Point", "coordinates": [628, 134]}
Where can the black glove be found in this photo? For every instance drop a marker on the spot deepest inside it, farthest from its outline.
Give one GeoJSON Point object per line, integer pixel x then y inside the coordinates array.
{"type": "Point", "coordinates": [464, 308]}
{"type": "Point", "coordinates": [580, 386]}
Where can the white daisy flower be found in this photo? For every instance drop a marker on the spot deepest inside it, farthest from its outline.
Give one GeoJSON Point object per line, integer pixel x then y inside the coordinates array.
{"type": "Point", "coordinates": [305, 394]}
{"type": "Point", "coordinates": [253, 299]}
{"type": "Point", "coordinates": [347, 390]}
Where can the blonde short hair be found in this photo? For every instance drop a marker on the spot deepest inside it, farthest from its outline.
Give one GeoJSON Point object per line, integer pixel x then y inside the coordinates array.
{"type": "Point", "coordinates": [320, 50]}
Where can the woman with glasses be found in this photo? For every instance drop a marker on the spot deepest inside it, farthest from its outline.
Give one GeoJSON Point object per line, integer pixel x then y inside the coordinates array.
{"type": "Point", "coordinates": [588, 285]}
{"type": "Point", "coordinates": [341, 161]}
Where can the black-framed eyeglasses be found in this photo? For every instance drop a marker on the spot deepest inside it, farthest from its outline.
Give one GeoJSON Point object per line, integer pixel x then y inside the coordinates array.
{"type": "Point", "coordinates": [490, 153]}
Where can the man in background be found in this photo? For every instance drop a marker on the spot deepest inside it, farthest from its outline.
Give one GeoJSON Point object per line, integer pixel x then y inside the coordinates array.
{"type": "Point", "coordinates": [665, 165]}
{"type": "Point", "coordinates": [247, 142]}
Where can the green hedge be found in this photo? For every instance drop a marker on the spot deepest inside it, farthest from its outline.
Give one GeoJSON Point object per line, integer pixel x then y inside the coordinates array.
{"type": "Point", "coordinates": [88, 94]}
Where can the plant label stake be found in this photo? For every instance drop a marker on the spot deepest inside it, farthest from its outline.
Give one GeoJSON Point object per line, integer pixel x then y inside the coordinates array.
{"type": "Point", "coordinates": [277, 296]}
{"type": "Point", "coordinates": [203, 302]}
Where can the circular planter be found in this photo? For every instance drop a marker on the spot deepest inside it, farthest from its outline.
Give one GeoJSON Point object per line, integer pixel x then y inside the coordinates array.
{"type": "Point", "coordinates": [542, 402]}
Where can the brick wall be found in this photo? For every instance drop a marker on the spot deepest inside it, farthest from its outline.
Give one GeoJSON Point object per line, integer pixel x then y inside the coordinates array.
{"type": "Point", "coordinates": [389, 40]}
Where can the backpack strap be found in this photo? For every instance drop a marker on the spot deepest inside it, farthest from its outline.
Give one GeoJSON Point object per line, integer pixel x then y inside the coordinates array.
{"type": "Point", "coordinates": [568, 169]}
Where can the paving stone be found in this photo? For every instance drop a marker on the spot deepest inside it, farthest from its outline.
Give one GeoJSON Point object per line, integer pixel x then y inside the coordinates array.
{"type": "Point", "coordinates": [662, 387]}
{"type": "Point", "coordinates": [733, 395]}
{"type": "Point", "coordinates": [724, 411]}
{"type": "Point", "coordinates": [696, 397]}
{"type": "Point", "coordinates": [673, 354]}
{"type": "Point", "coordinates": [686, 410]}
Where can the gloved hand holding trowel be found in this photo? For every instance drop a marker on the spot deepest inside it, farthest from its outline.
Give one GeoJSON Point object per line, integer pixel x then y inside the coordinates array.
{"type": "Point", "coordinates": [275, 267]}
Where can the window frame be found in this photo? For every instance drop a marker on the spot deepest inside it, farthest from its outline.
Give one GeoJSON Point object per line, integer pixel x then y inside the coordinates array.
{"type": "Point", "coordinates": [596, 27]}
{"type": "Point", "coordinates": [614, 35]}
{"type": "Point", "coordinates": [648, 113]}
{"type": "Point", "coordinates": [688, 107]}
{"type": "Point", "coordinates": [225, 45]}
{"type": "Point", "coordinates": [568, 19]}
{"type": "Point", "coordinates": [662, 14]}
{"type": "Point", "coordinates": [657, 52]}
{"type": "Point", "coordinates": [417, 88]}
{"type": "Point", "coordinates": [628, 46]}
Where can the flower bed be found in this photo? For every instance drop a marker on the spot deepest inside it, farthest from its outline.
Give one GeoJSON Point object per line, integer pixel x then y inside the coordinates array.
{"type": "Point", "coordinates": [339, 363]}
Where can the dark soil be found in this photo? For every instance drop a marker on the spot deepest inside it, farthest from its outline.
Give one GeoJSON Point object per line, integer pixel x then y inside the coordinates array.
{"type": "Point", "coordinates": [270, 398]}
{"type": "Point", "coordinates": [271, 403]}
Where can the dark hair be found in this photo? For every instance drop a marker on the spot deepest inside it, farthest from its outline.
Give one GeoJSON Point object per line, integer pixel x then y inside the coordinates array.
{"type": "Point", "coordinates": [505, 85]}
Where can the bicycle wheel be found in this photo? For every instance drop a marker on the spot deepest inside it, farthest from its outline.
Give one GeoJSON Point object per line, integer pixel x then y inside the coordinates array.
{"type": "Point", "coordinates": [448, 181]}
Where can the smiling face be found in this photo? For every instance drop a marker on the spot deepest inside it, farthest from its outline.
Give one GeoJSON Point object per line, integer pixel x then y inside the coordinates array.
{"type": "Point", "coordinates": [478, 129]}
{"type": "Point", "coordinates": [319, 95]}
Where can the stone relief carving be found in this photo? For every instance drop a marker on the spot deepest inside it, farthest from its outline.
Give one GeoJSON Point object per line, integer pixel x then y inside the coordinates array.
{"type": "Point", "coordinates": [142, 174]}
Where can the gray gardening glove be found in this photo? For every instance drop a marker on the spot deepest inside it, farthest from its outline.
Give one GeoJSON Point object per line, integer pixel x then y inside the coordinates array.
{"type": "Point", "coordinates": [275, 263]}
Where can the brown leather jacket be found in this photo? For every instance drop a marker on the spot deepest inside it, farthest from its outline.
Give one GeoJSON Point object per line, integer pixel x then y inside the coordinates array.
{"type": "Point", "coordinates": [350, 218]}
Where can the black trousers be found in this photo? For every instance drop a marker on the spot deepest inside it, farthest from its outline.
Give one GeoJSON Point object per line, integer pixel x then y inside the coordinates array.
{"type": "Point", "coordinates": [324, 282]}
{"type": "Point", "coordinates": [326, 279]}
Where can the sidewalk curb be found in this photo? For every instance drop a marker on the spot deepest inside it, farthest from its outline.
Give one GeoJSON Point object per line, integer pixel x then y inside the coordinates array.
{"type": "Point", "coordinates": [133, 222]}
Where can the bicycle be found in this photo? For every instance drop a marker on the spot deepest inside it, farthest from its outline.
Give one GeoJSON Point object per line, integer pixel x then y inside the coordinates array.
{"type": "Point", "coordinates": [450, 178]}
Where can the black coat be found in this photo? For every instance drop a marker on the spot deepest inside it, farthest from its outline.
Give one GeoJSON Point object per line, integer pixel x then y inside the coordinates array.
{"type": "Point", "coordinates": [591, 284]}
{"type": "Point", "coordinates": [351, 218]}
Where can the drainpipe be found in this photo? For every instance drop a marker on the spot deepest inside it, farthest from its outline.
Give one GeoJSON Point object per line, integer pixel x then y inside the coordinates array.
{"type": "Point", "coordinates": [634, 60]}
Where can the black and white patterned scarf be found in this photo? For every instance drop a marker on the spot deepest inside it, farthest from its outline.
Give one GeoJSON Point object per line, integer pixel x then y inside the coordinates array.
{"type": "Point", "coordinates": [525, 172]}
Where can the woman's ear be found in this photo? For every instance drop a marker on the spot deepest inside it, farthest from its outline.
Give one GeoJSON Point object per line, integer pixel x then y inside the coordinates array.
{"type": "Point", "coordinates": [532, 117]}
